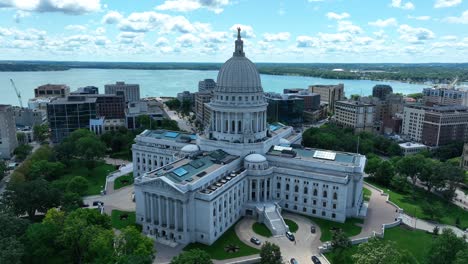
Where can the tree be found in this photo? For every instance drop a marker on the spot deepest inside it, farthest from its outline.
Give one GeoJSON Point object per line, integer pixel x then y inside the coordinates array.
{"type": "Point", "coordinates": [71, 201]}
{"type": "Point", "coordinates": [445, 247]}
{"type": "Point", "coordinates": [173, 104]}
{"type": "Point", "coordinates": [432, 210]}
{"type": "Point", "coordinates": [410, 166]}
{"type": "Point", "coordinates": [78, 185]}
{"type": "Point", "coordinates": [90, 148]}
{"type": "Point", "coordinates": [131, 244]}
{"type": "Point", "coordinates": [431, 174]}
{"type": "Point", "coordinates": [41, 242]}
{"type": "Point", "coordinates": [46, 170]}
{"type": "Point", "coordinates": [461, 257]}
{"type": "Point", "coordinates": [11, 247]}
{"type": "Point", "coordinates": [384, 173]}
{"type": "Point", "coordinates": [194, 256]}
{"type": "Point", "coordinates": [373, 163]}
{"type": "Point", "coordinates": [31, 196]}
{"type": "Point", "coordinates": [11, 250]}
{"type": "Point", "coordinates": [400, 183]}
{"type": "Point", "coordinates": [453, 176]}
{"type": "Point", "coordinates": [270, 254]}
{"type": "Point", "coordinates": [21, 137]}
{"type": "Point", "coordinates": [3, 168]}
{"type": "Point", "coordinates": [22, 151]}
{"type": "Point", "coordinates": [376, 251]}
{"type": "Point", "coordinates": [41, 132]}
{"type": "Point", "coordinates": [340, 242]}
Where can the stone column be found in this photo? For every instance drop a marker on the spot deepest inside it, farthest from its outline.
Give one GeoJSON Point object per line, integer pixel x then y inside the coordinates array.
{"type": "Point", "coordinates": [184, 216]}
{"type": "Point", "coordinates": [258, 190]}
{"type": "Point", "coordinates": [159, 211]}
{"type": "Point", "coordinates": [152, 208]}
{"type": "Point", "coordinates": [167, 212]}
{"type": "Point", "coordinates": [146, 205]}
{"type": "Point", "coordinates": [257, 117]}
{"type": "Point", "coordinates": [176, 215]}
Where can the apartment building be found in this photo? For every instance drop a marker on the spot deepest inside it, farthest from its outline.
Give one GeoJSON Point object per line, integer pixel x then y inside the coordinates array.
{"type": "Point", "coordinates": [354, 114]}
{"type": "Point", "coordinates": [445, 96]}
{"type": "Point", "coordinates": [8, 141]}
{"type": "Point", "coordinates": [412, 125]}
{"type": "Point", "coordinates": [52, 90]}
{"type": "Point", "coordinates": [329, 93]}
{"type": "Point", "coordinates": [131, 92]}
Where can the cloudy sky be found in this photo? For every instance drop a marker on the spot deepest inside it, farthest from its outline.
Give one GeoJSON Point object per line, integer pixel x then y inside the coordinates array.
{"type": "Point", "coordinates": [203, 30]}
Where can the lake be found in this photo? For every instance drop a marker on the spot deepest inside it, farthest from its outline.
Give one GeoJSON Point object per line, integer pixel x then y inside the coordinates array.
{"type": "Point", "coordinates": [168, 82]}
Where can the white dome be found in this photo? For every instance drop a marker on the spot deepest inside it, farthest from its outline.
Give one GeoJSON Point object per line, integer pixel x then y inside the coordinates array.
{"type": "Point", "coordinates": [284, 142]}
{"type": "Point", "coordinates": [255, 158]}
{"type": "Point", "coordinates": [190, 148]}
{"type": "Point", "coordinates": [238, 75]}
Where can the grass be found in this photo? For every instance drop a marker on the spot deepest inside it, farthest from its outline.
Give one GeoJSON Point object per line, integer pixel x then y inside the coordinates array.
{"type": "Point", "coordinates": [293, 227]}
{"type": "Point", "coordinates": [367, 194]}
{"type": "Point", "coordinates": [261, 229]}
{"type": "Point", "coordinates": [119, 223]}
{"type": "Point", "coordinates": [123, 181]}
{"type": "Point", "coordinates": [350, 227]}
{"type": "Point", "coordinates": [96, 176]}
{"type": "Point", "coordinates": [216, 250]}
{"type": "Point", "coordinates": [412, 205]}
{"type": "Point", "coordinates": [415, 242]}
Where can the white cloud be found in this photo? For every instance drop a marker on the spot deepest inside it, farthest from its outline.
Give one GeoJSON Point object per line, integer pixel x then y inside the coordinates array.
{"type": "Point", "coordinates": [415, 35]}
{"type": "Point", "coordinates": [5, 32]}
{"type": "Point", "coordinates": [147, 21]}
{"type": "Point", "coordinates": [214, 37]}
{"type": "Point", "coordinates": [449, 37]}
{"type": "Point", "coordinates": [246, 31]}
{"type": "Point", "coordinates": [161, 42]}
{"type": "Point", "coordinates": [20, 15]}
{"type": "Point", "coordinates": [187, 40]}
{"type": "Point", "coordinates": [333, 15]}
{"type": "Point", "coordinates": [401, 5]}
{"type": "Point", "coordinates": [101, 41]}
{"type": "Point", "coordinates": [75, 28]}
{"type": "Point", "coordinates": [112, 17]}
{"type": "Point", "coordinates": [100, 31]}
{"type": "Point", "coordinates": [335, 37]}
{"type": "Point", "coordinates": [384, 23]}
{"type": "Point", "coordinates": [281, 36]}
{"type": "Point", "coordinates": [191, 5]}
{"type": "Point", "coordinates": [73, 7]}
{"type": "Point", "coordinates": [446, 3]}
{"type": "Point", "coordinates": [419, 17]}
{"type": "Point", "coordinates": [306, 42]}
{"type": "Point", "coordinates": [348, 26]}
{"type": "Point", "coordinates": [463, 19]}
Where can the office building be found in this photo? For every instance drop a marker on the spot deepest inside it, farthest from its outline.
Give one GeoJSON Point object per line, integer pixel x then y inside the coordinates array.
{"type": "Point", "coordinates": [151, 108]}
{"type": "Point", "coordinates": [8, 141]}
{"type": "Point", "coordinates": [410, 148]}
{"type": "Point", "coordinates": [131, 92]}
{"type": "Point", "coordinates": [464, 162]}
{"type": "Point", "coordinates": [186, 96]}
{"type": "Point", "coordinates": [52, 90]}
{"type": "Point", "coordinates": [202, 112]}
{"type": "Point", "coordinates": [193, 188]}
{"type": "Point", "coordinates": [412, 125]}
{"type": "Point", "coordinates": [381, 91]}
{"type": "Point", "coordinates": [206, 85]}
{"type": "Point", "coordinates": [329, 93]}
{"type": "Point", "coordinates": [354, 114]}
{"type": "Point", "coordinates": [285, 109]}
{"type": "Point", "coordinates": [25, 117]}
{"type": "Point", "coordinates": [86, 90]}
{"type": "Point", "coordinates": [445, 96]}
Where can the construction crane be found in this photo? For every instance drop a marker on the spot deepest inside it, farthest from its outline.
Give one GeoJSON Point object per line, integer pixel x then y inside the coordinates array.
{"type": "Point", "coordinates": [18, 94]}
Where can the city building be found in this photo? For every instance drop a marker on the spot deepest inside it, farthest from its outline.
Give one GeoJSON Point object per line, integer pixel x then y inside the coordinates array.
{"type": "Point", "coordinates": [207, 85]}
{"type": "Point", "coordinates": [131, 92]}
{"type": "Point", "coordinates": [464, 162]}
{"type": "Point", "coordinates": [410, 148]}
{"type": "Point", "coordinates": [52, 90]}
{"type": "Point", "coordinates": [329, 93]}
{"type": "Point", "coordinates": [102, 125]}
{"type": "Point", "coordinates": [8, 141]}
{"type": "Point", "coordinates": [66, 115]}
{"type": "Point", "coordinates": [86, 90]}
{"type": "Point", "coordinates": [39, 103]}
{"type": "Point", "coordinates": [445, 96]}
{"type": "Point", "coordinates": [381, 91]}
{"type": "Point", "coordinates": [354, 114]}
{"type": "Point", "coordinates": [192, 188]}
{"type": "Point", "coordinates": [412, 125]}
{"type": "Point", "coordinates": [151, 108]}
{"type": "Point", "coordinates": [25, 117]}
{"type": "Point", "coordinates": [285, 109]}
{"type": "Point", "coordinates": [186, 96]}
{"type": "Point", "coordinates": [311, 100]}
{"type": "Point", "coordinates": [202, 112]}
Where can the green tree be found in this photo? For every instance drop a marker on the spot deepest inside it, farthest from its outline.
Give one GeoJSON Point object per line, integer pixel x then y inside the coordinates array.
{"type": "Point", "coordinates": [46, 170]}
{"type": "Point", "coordinates": [41, 132]}
{"type": "Point", "coordinates": [445, 247]}
{"type": "Point", "coordinates": [11, 250]}
{"type": "Point", "coordinates": [340, 242]}
{"type": "Point", "coordinates": [186, 106]}
{"type": "Point", "coordinates": [400, 183]}
{"type": "Point", "coordinates": [90, 148]}
{"type": "Point", "coordinates": [453, 175]}
{"type": "Point", "coordinates": [22, 151]}
{"type": "Point", "coordinates": [434, 211]}
{"type": "Point", "coordinates": [21, 137]}
{"type": "Point", "coordinates": [373, 163]}
{"type": "Point", "coordinates": [12, 229]}
{"type": "Point", "coordinates": [270, 254]}
{"type": "Point", "coordinates": [131, 244]}
{"type": "Point", "coordinates": [78, 185]}
{"type": "Point", "coordinates": [384, 173]}
{"type": "Point", "coordinates": [461, 257]}
{"type": "Point", "coordinates": [71, 201]}
{"type": "Point", "coordinates": [410, 166]}
{"type": "Point", "coordinates": [3, 169]}
{"type": "Point", "coordinates": [41, 242]}
{"type": "Point", "coordinates": [376, 251]}
{"type": "Point", "coordinates": [173, 104]}
{"type": "Point", "coordinates": [431, 174]}
{"type": "Point", "coordinates": [31, 196]}
{"type": "Point", "coordinates": [194, 256]}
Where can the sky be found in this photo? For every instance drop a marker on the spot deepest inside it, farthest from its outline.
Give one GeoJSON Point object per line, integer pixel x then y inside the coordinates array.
{"type": "Point", "coordinates": [303, 31]}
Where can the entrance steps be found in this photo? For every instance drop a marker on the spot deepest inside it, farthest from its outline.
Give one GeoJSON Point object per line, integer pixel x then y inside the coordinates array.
{"type": "Point", "coordinates": [273, 220]}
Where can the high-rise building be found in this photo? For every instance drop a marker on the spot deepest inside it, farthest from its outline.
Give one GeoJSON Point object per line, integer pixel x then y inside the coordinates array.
{"type": "Point", "coordinates": [381, 91]}
{"type": "Point", "coordinates": [86, 90]}
{"type": "Point", "coordinates": [8, 141]}
{"type": "Point", "coordinates": [285, 109]}
{"type": "Point", "coordinates": [202, 112]}
{"type": "Point", "coordinates": [445, 96]}
{"type": "Point", "coordinates": [66, 115]}
{"type": "Point", "coordinates": [206, 85]}
{"type": "Point", "coordinates": [25, 117]}
{"type": "Point", "coordinates": [413, 118]}
{"type": "Point", "coordinates": [464, 162]}
{"type": "Point", "coordinates": [186, 96]}
{"type": "Point", "coordinates": [354, 114]}
{"type": "Point", "coordinates": [329, 93]}
{"type": "Point", "coordinates": [131, 92]}
{"type": "Point", "coordinates": [52, 90]}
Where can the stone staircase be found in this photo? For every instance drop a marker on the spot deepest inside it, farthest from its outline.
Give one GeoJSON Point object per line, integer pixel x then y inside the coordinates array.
{"type": "Point", "coordinates": [274, 221]}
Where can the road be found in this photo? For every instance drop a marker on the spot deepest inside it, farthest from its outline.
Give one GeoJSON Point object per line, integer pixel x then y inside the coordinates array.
{"type": "Point", "coordinates": [183, 123]}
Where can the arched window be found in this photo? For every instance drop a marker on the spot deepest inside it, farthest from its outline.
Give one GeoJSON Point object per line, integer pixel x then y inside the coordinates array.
{"type": "Point", "coordinates": [287, 187]}
{"type": "Point", "coordinates": [233, 126]}
{"type": "Point", "coordinates": [278, 185]}
{"type": "Point", "coordinates": [324, 194]}
{"type": "Point", "coordinates": [239, 125]}
{"type": "Point", "coordinates": [296, 188]}
{"type": "Point", "coordinates": [305, 190]}
{"type": "Point", "coordinates": [226, 128]}
{"type": "Point", "coordinates": [335, 196]}
{"type": "Point", "coordinates": [315, 192]}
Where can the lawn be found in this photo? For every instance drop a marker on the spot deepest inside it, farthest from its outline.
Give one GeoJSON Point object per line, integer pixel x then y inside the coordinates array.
{"type": "Point", "coordinates": [261, 229]}
{"type": "Point", "coordinates": [413, 206]}
{"type": "Point", "coordinates": [122, 219]}
{"type": "Point", "coordinates": [96, 176]}
{"type": "Point", "coordinates": [350, 227]}
{"type": "Point", "coordinates": [293, 227]}
{"type": "Point", "coordinates": [367, 194]}
{"type": "Point", "coordinates": [414, 241]}
{"type": "Point", "coordinates": [216, 250]}
{"type": "Point", "coordinates": [123, 181]}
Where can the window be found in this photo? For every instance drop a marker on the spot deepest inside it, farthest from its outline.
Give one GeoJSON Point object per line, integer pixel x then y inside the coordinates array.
{"type": "Point", "coordinates": [305, 190]}
{"type": "Point", "coordinates": [335, 196]}
{"type": "Point", "coordinates": [324, 204]}
{"type": "Point", "coordinates": [305, 200]}
{"type": "Point", "coordinates": [287, 187]}
{"type": "Point", "coordinates": [304, 209]}
{"type": "Point", "coordinates": [287, 197]}
{"type": "Point", "coordinates": [314, 211]}
{"type": "Point", "coordinates": [333, 215]}
{"type": "Point", "coordinates": [323, 213]}
{"type": "Point", "coordinates": [295, 199]}
{"type": "Point", "coordinates": [295, 207]}
{"type": "Point", "coordinates": [286, 205]}
{"type": "Point", "coordinates": [334, 206]}
{"type": "Point", "coordinates": [296, 188]}
{"type": "Point", "coordinates": [314, 202]}
{"type": "Point", "coordinates": [278, 185]}
{"type": "Point", "coordinates": [315, 192]}
{"type": "Point", "coordinates": [324, 194]}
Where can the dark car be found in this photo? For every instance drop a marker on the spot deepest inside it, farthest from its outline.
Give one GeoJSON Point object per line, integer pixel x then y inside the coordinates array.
{"type": "Point", "coordinates": [293, 261]}
{"type": "Point", "coordinates": [315, 260]}
{"type": "Point", "coordinates": [290, 236]}
{"type": "Point", "coordinates": [96, 203]}
{"type": "Point", "coordinates": [255, 240]}
{"type": "Point", "coordinates": [312, 229]}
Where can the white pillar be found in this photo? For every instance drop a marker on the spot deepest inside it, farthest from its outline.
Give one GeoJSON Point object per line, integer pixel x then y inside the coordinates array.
{"type": "Point", "coordinates": [176, 215]}
{"type": "Point", "coordinates": [152, 208]}
{"type": "Point", "coordinates": [185, 218]}
{"type": "Point", "coordinates": [146, 206]}
{"type": "Point", "coordinates": [258, 191]}
{"type": "Point", "coordinates": [159, 211]}
{"type": "Point", "coordinates": [167, 212]}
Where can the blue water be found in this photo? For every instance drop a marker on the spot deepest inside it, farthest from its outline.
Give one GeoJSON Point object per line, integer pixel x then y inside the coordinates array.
{"type": "Point", "coordinates": [167, 82]}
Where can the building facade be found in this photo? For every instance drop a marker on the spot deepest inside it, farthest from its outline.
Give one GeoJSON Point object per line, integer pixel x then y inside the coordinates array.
{"type": "Point", "coordinates": [412, 124]}
{"type": "Point", "coordinates": [381, 91]}
{"type": "Point", "coordinates": [464, 162]}
{"type": "Point", "coordinates": [202, 111]}
{"type": "Point", "coordinates": [445, 124]}
{"type": "Point", "coordinates": [285, 109]}
{"type": "Point", "coordinates": [8, 141]}
{"type": "Point", "coordinates": [354, 114]}
{"type": "Point", "coordinates": [192, 188]}
{"type": "Point", "coordinates": [410, 148]}
{"type": "Point", "coordinates": [445, 96]}
{"type": "Point", "coordinates": [207, 85]}
{"type": "Point", "coordinates": [52, 90]}
{"type": "Point", "coordinates": [25, 117]}
{"type": "Point", "coordinates": [131, 92]}
{"type": "Point", "coordinates": [329, 93]}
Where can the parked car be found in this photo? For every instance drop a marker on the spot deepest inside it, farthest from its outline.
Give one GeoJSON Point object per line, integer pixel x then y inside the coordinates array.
{"type": "Point", "coordinates": [312, 229]}
{"type": "Point", "coordinates": [315, 260]}
{"type": "Point", "coordinates": [290, 236]}
{"type": "Point", "coordinates": [255, 240]}
{"type": "Point", "coordinates": [293, 261]}
{"type": "Point", "coordinates": [96, 203]}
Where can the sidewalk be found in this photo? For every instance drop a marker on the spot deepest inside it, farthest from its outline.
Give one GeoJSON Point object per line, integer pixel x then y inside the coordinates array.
{"type": "Point", "coordinates": [428, 226]}
{"type": "Point", "coordinates": [128, 168]}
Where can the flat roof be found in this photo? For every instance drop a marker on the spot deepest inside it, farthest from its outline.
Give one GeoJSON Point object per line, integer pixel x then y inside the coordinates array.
{"type": "Point", "coordinates": [170, 135]}
{"type": "Point", "coordinates": [319, 155]}
{"type": "Point", "coordinates": [411, 145]}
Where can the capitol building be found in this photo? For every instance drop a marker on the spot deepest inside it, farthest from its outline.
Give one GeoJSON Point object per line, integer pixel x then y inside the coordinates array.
{"type": "Point", "coordinates": [192, 188]}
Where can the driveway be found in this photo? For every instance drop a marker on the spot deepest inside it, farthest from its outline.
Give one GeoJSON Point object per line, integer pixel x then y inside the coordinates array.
{"type": "Point", "coordinates": [120, 200]}
{"type": "Point", "coordinates": [306, 243]}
